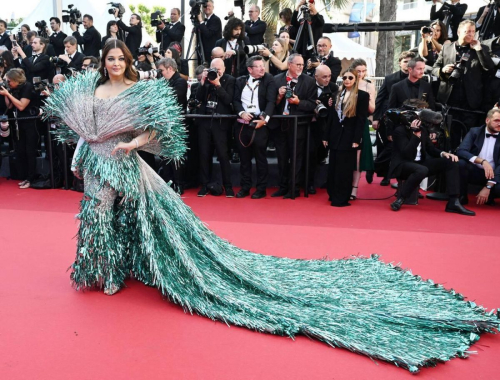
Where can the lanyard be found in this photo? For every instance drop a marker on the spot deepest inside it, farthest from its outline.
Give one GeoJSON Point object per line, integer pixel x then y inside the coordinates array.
{"type": "Point", "coordinates": [253, 91]}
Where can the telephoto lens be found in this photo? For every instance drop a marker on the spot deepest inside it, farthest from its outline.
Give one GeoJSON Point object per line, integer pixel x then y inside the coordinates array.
{"type": "Point", "coordinates": [212, 74]}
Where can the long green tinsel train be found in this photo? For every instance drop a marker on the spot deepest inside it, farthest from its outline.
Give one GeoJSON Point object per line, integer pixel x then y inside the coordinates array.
{"type": "Point", "coordinates": [132, 222]}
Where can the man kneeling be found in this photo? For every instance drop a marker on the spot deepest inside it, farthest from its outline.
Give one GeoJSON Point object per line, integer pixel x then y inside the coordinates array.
{"type": "Point", "coordinates": [414, 158]}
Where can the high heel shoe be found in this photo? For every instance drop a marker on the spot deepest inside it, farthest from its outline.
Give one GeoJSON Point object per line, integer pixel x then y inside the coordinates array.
{"type": "Point", "coordinates": [353, 197]}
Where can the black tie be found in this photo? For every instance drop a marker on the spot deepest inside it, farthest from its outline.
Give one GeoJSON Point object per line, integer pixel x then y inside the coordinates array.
{"type": "Point", "coordinates": [252, 22]}
{"type": "Point", "coordinates": [490, 135]}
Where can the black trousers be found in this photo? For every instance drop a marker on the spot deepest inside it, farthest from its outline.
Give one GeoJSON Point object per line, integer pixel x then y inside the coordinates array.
{"type": "Point", "coordinates": [26, 149]}
{"type": "Point", "coordinates": [258, 149]}
{"type": "Point", "coordinates": [384, 151]}
{"type": "Point", "coordinates": [463, 122]}
{"type": "Point", "coordinates": [470, 173]}
{"type": "Point", "coordinates": [340, 172]}
{"type": "Point", "coordinates": [414, 172]}
{"type": "Point", "coordinates": [317, 152]}
{"type": "Point", "coordinates": [192, 163]}
{"type": "Point", "coordinates": [280, 142]}
{"type": "Point", "coordinates": [214, 131]}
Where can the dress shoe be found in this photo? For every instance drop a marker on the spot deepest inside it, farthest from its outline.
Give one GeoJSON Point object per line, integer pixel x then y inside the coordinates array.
{"type": "Point", "coordinates": [369, 176]}
{"type": "Point", "coordinates": [420, 196]}
{"type": "Point", "coordinates": [456, 207]}
{"type": "Point", "coordinates": [311, 189]}
{"type": "Point", "coordinates": [279, 193]}
{"type": "Point", "coordinates": [235, 159]}
{"type": "Point", "coordinates": [203, 191]}
{"type": "Point", "coordinates": [385, 182]}
{"type": "Point", "coordinates": [396, 205]}
{"type": "Point", "coordinates": [289, 195]}
{"type": "Point", "coordinates": [340, 204]}
{"type": "Point", "coordinates": [243, 193]}
{"type": "Point", "coordinates": [464, 199]}
{"type": "Point", "coordinates": [259, 194]}
{"type": "Point", "coordinates": [229, 192]}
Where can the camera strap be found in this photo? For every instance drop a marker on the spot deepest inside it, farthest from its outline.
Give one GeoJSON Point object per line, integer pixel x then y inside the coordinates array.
{"type": "Point", "coordinates": [251, 139]}
{"type": "Point", "coordinates": [253, 90]}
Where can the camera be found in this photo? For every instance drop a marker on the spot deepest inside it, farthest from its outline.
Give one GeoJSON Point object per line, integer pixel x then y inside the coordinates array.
{"type": "Point", "coordinates": [196, 9]}
{"type": "Point", "coordinates": [39, 84]}
{"type": "Point", "coordinates": [252, 49]}
{"type": "Point", "coordinates": [321, 110]}
{"type": "Point", "coordinates": [459, 68]}
{"type": "Point", "coordinates": [193, 103]}
{"type": "Point", "coordinates": [115, 6]}
{"type": "Point", "coordinates": [41, 24]}
{"type": "Point", "coordinates": [212, 74]}
{"type": "Point", "coordinates": [4, 126]}
{"type": "Point", "coordinates": [211, 106]}
{"type": "Point", "coordinates": [426, 30]}
{"type": "Point", "coordinates": [289, 91]}
{"type": "Point", "coordinates": [58, 62]}
{"type": "Point", "coordinates": [157, 19]}
{"type": "Point", "coordinates": [74, 16]}
{"type": "Point", "coordinates": [403, 116]}
{"type": "Point", "coordinates": [144, 50]}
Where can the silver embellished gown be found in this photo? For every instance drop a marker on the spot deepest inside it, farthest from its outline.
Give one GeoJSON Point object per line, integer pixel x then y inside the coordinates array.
{"type": "Point", "coordinates": [133, 223]}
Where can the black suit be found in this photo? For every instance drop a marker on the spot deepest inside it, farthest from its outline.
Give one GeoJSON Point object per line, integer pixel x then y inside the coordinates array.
{"type": "Point", "coordinates": [91, 41]}
{"type": "Point", "coordinates": [170, 34]}
{"type": "Point", "coordinates": [333, 63]}
{"type": "Point", "coordinates": [215, 130]}
{"type": "Point", "coordinates": [180, 86]}
{"type": "Point", "coordinates": [5, 41]}
{"type": "Point", "coordinates": [76, 63]}
{"type": "Point", "coordinates": [41, 67]}
{"type": "Point", "coordinates": [236, 65]}
{"type": "Point", "coordinates": [134, 36]}
{"type": "Point", "coordinates": [210, 33]}
{"type": "Point", "coordinates": [282, 130]}
{"type": "Point", "coordinates": [317, 22]}
{"type": "Point", "coordinates": [457, 14]}
{"type": "Point", "coordinates": [243, 134]}
{"type": "Point", "coordinates": [341, 136]}
{"type": "Point", "coordinates": [255, 32]}
{"type": "Point", "coordinates": [403, 164]}
{"type": "Point", "coordinates": [491, 84]}
{"type": "Point", "coordinates": [402, 91]}
{"type": "Point", "coordinates": [493, 26]}
{"type": "Point", "coordinates": [469, 173]}
{"type": "Point", "coordinates": [57, 40]}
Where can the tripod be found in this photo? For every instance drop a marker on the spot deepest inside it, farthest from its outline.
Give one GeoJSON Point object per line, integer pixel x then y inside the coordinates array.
{"type": "Point", "coordinates": [306, 20]}
{"type": "Point", "coordinates": [485, 33]}
{"type": "Point", "coordinates": [198, 49]}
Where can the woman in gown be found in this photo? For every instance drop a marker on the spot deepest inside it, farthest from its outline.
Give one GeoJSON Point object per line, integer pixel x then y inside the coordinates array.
{"type": "Point", "coordinates": [133, 224]}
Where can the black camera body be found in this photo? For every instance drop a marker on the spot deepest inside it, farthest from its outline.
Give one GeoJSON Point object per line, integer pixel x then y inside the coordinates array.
{"type": "Point", "coordinates": [459, 68]}
{"type": "Point", "coordinates": [115, 6]}
{"type": "Point", "coordinates": [42, 24]}
{"type": "Point", "coordinates": [144, 50]}
{"type": "Point", "coordinates": [58, 62]}
{"type": "Point", "coordinates": [426, 30]}
{"type": "Point", "coordinates": [157, 19]}
{"type": "Point", "coordinates": [196, 9]}
{"type": "Point", "coordinates": [212, 74]}
{"type": "Point", "coordinates": [74, 16]}
{"type": "Point", "coordinates": [40, 84]}
{"type": "Point", "coordinates": [403, 117]}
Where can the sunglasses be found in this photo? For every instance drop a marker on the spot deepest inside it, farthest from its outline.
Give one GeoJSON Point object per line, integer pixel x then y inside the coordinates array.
{"type": "Point", "coordinates": [345, 77]}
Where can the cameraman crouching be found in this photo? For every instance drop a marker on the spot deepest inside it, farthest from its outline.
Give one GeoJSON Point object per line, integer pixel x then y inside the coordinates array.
{"type": "Point", "coordinates": [21, 97]}
{"type": "Point", "coordinates": [414, 158]}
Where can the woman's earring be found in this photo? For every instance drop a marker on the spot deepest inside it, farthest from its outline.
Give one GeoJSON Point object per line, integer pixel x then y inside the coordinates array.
{"type": "Point", "coordinates": [105, 72]}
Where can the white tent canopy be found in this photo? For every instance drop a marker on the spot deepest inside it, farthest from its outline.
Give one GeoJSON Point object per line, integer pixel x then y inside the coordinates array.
{"type": "Point", "coordinates": [345, 48]}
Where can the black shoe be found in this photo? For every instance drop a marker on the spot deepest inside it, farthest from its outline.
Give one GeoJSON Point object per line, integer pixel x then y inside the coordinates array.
{"type": "Point", "coordinates": [340, 204]}
{"type": "Point", "coordinates": [279, 193]}
{"type": "Point", "coordinates": [242, 193]}
{"type": "Point", "coordinates": [456, 207]}
{"type": "Point", "coordinates": [369, 176]}
{"type": "Point", "coordinates": [235, 159]}
{"type": "Point", "coordinates": [289, 195]}
{"type": "Point", "coordinates": [464, 199]}
{"type": "Point", "coordinates": [203, 191]}
{"type": "Point", "coordinates": [229, 192]}
{"type": "Point", "coordinates": [385, 182]}
{"type": "Point", "coordinates": [396, 205]}
{"type": "Point", "coordinates": [311, 189]}
{"type": "Point", "coordinates": [259, 194]}
{"type": "Point", "coordinates": [420, 196]}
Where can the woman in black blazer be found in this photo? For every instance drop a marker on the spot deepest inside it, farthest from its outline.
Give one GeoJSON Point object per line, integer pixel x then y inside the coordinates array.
{"type": "Point", "coordinates": [343, 135]}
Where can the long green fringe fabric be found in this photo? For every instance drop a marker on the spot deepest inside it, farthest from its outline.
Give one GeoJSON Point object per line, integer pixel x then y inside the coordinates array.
{"type": "Point", "coordinates": [357, 303]}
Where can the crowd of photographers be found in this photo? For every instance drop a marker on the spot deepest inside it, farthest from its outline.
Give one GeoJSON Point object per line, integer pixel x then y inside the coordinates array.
{"type": "Point", "coordinates": [262, 85]}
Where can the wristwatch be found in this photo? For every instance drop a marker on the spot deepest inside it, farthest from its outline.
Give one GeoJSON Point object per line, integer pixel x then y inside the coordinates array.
{"type": "Point", "coordinates": [489, 187]}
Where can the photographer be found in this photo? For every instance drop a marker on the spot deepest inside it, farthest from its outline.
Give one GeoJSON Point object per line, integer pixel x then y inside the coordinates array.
{"type": "Point", "coordinates": [493, 25]}
{"type": "Point", "coordinates": [170, 32]}
{"type": "Point", "coordinates": [451, 14]}
{"type": "Point", "coordinates": [480, 160]}
{"type": "Point", "coordinates": [317, 21]}
{"type": "Point", "coordinates": [111, 33]}
{"type": "Point", "coordinates": [491, 82]}
{"type": "Point", "coordinates": [414, 158]}
{"type": "Point", "coordinates": [23, 100]}
{"type": "Point", "coordinates": [182, 64]}
{"type": "Point", "coordinates": [57, 37]}
{"type": "Point", "coordinates": [255, 28]}
{"type": "Point", "coordinates": [325, 57]}
{"type": "Point", "coordinates": [37, 65]}
{"type": "Point", "coordinates": [4, 37]}
{"type": "Point", "coordinates": [73, 58]}
{"type": "Point", "coordinates": [91, 39]}
{"type": "Point", "coordinates": [210, 27]}
{"type": "Point", "coordinates": [232, 43]}
{"type": "Point", "coordinates": [286, 18]}
{"type": "Point", "coordinates": [432, 42]}
{"type": "Point", "coordinates": [461, 66]}
{"type": "Point", "coordinates": [90, 63]}
{"type": "Point", "coordinates": [254, 97]}
{"type": "Point", "coordinates": [6, 63]}
{"type": "Point", "coordinates": [22, 36]}
{"type": "Point", "coordinates": [215, 96]}
{"type": "Point", "coordinates": [276, 62]}
{"type": "Point", "coordinates": [133, 32]}
{"type": "Point", "coordinates": [297, 95]}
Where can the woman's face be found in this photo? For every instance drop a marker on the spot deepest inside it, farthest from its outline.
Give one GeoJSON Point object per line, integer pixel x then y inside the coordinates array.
{"type": "Point", "coordinates": [168, 53]}
{"type": "Point", "coordinates": [115, 63]}
{"type": "Point", "coordinates": [141, 58]}
{"type": "Point", "coordinates": [437, 31]}
{"type": "Point", "coordinates": [361, 69]}
{"type": "Point", "coordinates": [277, 47]}
{"type": "Point", "coordinates": [113, 28]}
{"type": "Point", "coordinates": [24, 31]}
{"type": "Point", "coordinates": [348, 79]}
{"type": "Point", "coordinates": [11, 82]}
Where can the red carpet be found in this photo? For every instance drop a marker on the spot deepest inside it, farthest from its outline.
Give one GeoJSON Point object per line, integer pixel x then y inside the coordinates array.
{"type": "Point", "coordinates": [50, 331]}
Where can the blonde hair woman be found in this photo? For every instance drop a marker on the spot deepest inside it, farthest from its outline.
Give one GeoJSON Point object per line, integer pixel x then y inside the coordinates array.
{"type": "Point", "coordinates": [277, 62]}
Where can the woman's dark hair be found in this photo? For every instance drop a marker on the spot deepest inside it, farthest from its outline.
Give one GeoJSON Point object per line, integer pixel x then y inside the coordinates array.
{"type": "Point", "coordinates": [8, 60]}
{"type": "Point", "coordinates": [143, 66]}
{"type": "Point", "coordinates": [232, 24]}
{"type": "Point", "coordinates": [286, 14]}
{"type": "Point", "coordinates": [110, 24]}
{"type": "Point", "coordinates": [176, 45]}
{"type": "Point", "coordinates": [130, 72]}
{"type": "Point", "coordinates": [27, 27]}
{"type": "Point", "coordinates": [444, 34]}
{"type": "Point", "coordinates": [138, 18]}
{"type": "Point", "coordinates": [175, 56]}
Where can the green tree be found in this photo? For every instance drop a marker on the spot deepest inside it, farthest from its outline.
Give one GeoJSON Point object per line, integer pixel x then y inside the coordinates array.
{"type": "Point", "coordinates": [145, 14]}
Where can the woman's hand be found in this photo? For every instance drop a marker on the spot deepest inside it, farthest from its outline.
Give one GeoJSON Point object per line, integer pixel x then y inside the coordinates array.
{"type": "Point", "coordinates": [3, 91]}
{"type": "Point", "coordinates": [325, 143]}
{"type": "Point", "coordinates": [126, 147]}
{"type": "Point", "coordinates": [355, 145]}
{"type": "Point", "coordinates": [264, 52]}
